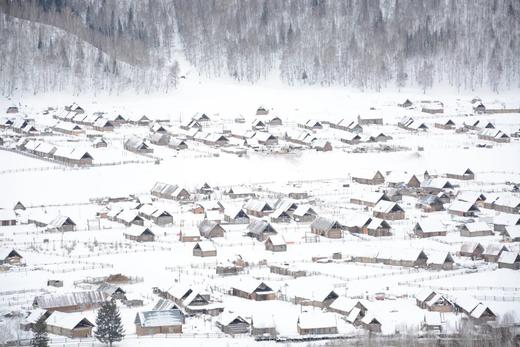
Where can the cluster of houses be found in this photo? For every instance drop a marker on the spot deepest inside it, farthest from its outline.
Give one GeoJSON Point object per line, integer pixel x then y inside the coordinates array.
{"type": "Point", "coordinates": [473, 309]}
{"type": "Point", "coordinates": [66, 155]}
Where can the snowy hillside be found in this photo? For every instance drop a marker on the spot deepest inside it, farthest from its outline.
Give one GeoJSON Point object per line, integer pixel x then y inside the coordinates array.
{"type": "Point", "coordinates": [110, 46]}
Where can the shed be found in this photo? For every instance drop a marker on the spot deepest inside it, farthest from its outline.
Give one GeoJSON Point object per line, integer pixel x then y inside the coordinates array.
{"type": "Point", "coordinates": [317, 323]}
{"type": "Point", "coordinates": [10, 256]}
{"type": "Point", "coordinates": [232, 323]}
{"type": "Point", "coordinates": [429, 228]}
{"type": "Point", "coordinates": [369, 177]}
{"type": "Point", "coordinates": [371, 323]}
{"type": "Point", "coordinates": [139, 234]}
{"type": "Point", "coordinates": [275, 243]}
{"type": "Point", "coordinates": [204, 249]}
{"type": "Point", "coordinates": [509, 260]}
{"type": "Point", "coordinates": [327, 227]}
{"type": "Point", "coordinates": [189, 234]}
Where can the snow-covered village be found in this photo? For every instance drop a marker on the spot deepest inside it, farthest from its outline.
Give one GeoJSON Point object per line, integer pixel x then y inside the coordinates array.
{"type": "Point", "coordinates": [272, 213]}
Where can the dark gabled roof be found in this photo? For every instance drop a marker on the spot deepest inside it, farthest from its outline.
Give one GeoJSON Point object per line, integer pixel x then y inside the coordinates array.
{"type": "Point", "coordinates": [323, 223]}
{"type": "Point", "coordinates": [258, 227]}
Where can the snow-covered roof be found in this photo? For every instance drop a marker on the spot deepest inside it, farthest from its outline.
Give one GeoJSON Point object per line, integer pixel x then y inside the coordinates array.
{"type": "Point", "coordinates": [67, 320]}
{"type": "Point", "coordinates": [205, 246]}
{"type": "Point", "coordinates": [7, 215]}
{"type": "Point", "coordinates": [159, 318]}
{"type": "Point", "coordinates": [513, 231]}
{"type": "Point", "coordinates": [325, 223]}
{"type": "Point", "coordinates": [259, 226]}
{"type": "Point", "coordinates": [477, 226]}
{"type": "Point", "coordinates": [70, 299]}
{"type": "Point", "coordinates": [439, 257]}
{"type": "Point", "coordinates": [463, 206]}
{"type": "Point", "coordinates": [228, 317]}
{"type": "Point", "coordinates": [128, 216]}
{"type": "Point", "coordinates": [35, 315]}
{"type": "Point", "coordinates": [494, 249]}
{"type": "Point", "coordinates": [431, 225]}
{"type": "Point", "coordinates": [249, 285]}
{"type": "Point", "coordinates": [386, 206]}
{"type": "Point", "coordinates": [8, 252]}
{"type": "Point", "coordinates": [137, 231]}
{"type": "Point", "coordinates": [508, 257]}
{"type": "Point", "coordinates": [303, 210]}
{"type": "Point", "coordinates": [277, 240]}
{"type": "Point", "coordinates": [316, 320]}
{"type": "Point", "coordinates": [257, 205]}
{"type": "Point", "coordinates": [506, 219]}
{"type": "Point", "coordinates": [469, 247]}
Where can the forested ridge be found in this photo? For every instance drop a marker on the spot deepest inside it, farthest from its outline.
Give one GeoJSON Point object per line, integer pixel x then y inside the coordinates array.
{"type": "Point", "coordinates": [367, 44]}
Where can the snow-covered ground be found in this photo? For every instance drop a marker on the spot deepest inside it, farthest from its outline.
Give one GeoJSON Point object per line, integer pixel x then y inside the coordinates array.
{"type": "Point", "coordinates": [98, 247]}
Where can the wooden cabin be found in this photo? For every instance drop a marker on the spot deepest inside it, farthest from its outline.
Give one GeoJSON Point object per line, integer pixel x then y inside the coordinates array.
{"type": "Point", "coordinates": [327, 227]}
{"type": "Point", "coordinates": [72, 325]}
{"type": "Point", "coordinates": [371, 178]}
{"type": "Point", "coordinates": [388, 210]}
{"type": "Point", "coordinates": [509, 260]}
{"type": "Point", "coordinates": [275, 243]}
{"type": "Point", "coordinates": [317, 323]}
{"type": "Point", "coordinates": [204, 249]}
{"type": "Point", "coordinates": [139, 234]}
{"type": "Point", "coordinates": [253, 290]}
{"type": "Point", "coordinates": [158, 322]}
{"type": "Point", "coordinates": [260, 230]}
{"type": "Point", "coordinates": [429, 228]}
{"type": "Point", "coordinates": [233, 324]}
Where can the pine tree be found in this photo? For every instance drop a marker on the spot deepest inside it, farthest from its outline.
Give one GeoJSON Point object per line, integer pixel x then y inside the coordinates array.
{"type": "Point", "coordinates": [108, 321]}
{"type": "Point", "coordinates": [40, 338]}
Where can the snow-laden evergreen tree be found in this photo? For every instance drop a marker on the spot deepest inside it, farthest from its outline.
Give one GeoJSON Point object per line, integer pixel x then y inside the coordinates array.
{"type": "Point", "coordinates": [40, 338]}
{"type": "Point", "coordinates": [109, 328]}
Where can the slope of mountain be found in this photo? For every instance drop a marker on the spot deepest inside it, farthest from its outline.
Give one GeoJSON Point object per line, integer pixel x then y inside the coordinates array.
{"type": "Point", "coordinates": [114, 45]}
